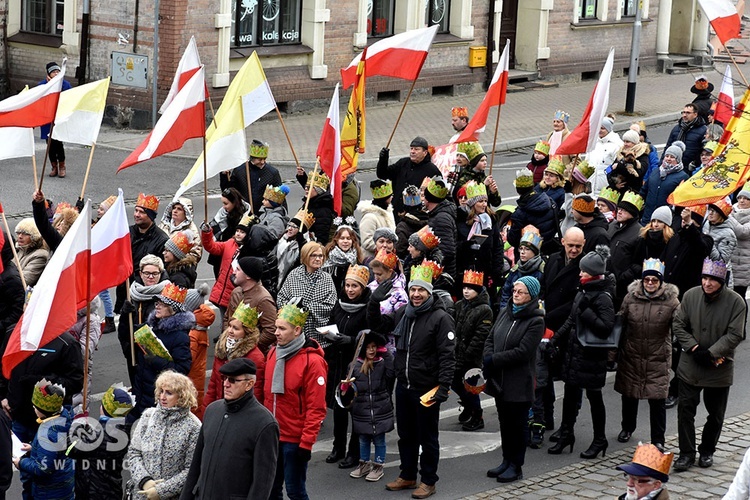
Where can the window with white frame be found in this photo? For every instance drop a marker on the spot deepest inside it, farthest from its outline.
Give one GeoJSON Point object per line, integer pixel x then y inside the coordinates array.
{"type": "Point", "coordinates": [380, 15]}
{"type": "Point", "coordinates": [588, 9]}
{"type": "Point", "coordinates": [266, 22]}
{"type": "Point", "coordinates": [43, 16]}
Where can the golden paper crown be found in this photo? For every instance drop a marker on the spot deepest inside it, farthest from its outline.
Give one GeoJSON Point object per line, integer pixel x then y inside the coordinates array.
{"type": "Point", "coordinates": [653, 266]}
{"type": "Point", "coordinates": [293, 315]}
{"type": "Point", "coordinates": [245, 222]}
{"type": "Point", "coordinates": [428, 238]}
{"type": "Point", "coordinates": [46, 398]}
{"type": "Point", "coordinates": [112, 406]}
{"type": "Point", "coordinates": [474, 190]}
{"type": "Point", "coordinates": [382, 191]}
{"type": "Point", "coordinates": [360, 274]}
{"type": "Point", "coordinates": [524, 178]}
{"type": "Point", "coordinates": [634, 199]}
{"type": "Point", "coordinates": [174, 293]}
{"type": "Point", "coordinates": [274, 194]}
{"type": "Point", "coordinates": [246, 315]}
{"type": "Point", "coordinates": [556, 166]}
{"type": "Point", "coordinates": [459, 112]}
{"type": "Point", "coordinates": [470, 149]}
{"type": "Point", "coordinates": [699, 209]}
{"type": "Point", "coordinates": [724, 205]}
{"type": "Point", "coordinates": [583, 171]}
{"type": "Point", "coordinates": [149, 202]}
{"type": "Point", "coordinates": [108, 202]}
{"type": "Point", "coordinates": [437, 187]}
{"type": "Point", "coordinates": [473, 278]}
{"type": "Point", "coordinates": [436, 268]}
{"type": "Point", "coordinates": [388, 259]}
{"type": "Point", "coordinates": [562, 115]}
{"type": "Point", "coordinates": [610, 195]}
{"type": "Point", "coordinates": [584, 204]}
{"type": "Point", "coordinates": [318, 179]}
{"type": "Point", "coordinates": [421, 273]}
{"type": "Point", "coordinates": [182, 242]}
{"type": "Point", "coordinates": [307, 219]}
{"type": "Point", "coordinates": [542, 147]}
{"type": "Point", "coordinates": [649, 456]}
{"type": "Point", "coordinates": [258, 149]}
{"type": "Point", "coordinates": [62, 206]}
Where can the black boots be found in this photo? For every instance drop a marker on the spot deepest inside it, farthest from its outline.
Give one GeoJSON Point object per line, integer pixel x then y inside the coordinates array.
{"type": "Point", "coordinates": [537, 436]}
{"type": "Point", "coordinates": [475, 422]}
{"type": "Point", "coordinates": [597, 445]}
{"type": "Point", "coordinates": [465, 415]}
{"type": "Point", "coordinates": [510, 474]}
{"type": "Point", "coordinates": [567, 438]}
{"type": "Point", "coordinates": [109, 325]}
{"type": "Point", "coordinates": [498, 470]}
{"type": "Point", "coordinates": [334, 456]}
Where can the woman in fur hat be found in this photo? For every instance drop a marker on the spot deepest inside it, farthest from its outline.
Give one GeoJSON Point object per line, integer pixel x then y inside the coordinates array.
{"type": "Point", "coordinates": [31, 250]}
{"type": "Point", "coordinates": [178, 216]}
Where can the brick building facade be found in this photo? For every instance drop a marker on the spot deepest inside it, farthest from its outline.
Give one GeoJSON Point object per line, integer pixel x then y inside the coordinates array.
{"type": "Point", "coordinates": [307, 42]}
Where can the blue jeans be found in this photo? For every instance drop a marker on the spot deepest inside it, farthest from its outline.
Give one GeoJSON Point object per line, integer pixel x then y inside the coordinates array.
{"type": "Point", "coordinates": [291, 471]}
{"type": "Point", "coordinates": [107, 303]}
{"type": "Point", "coordinates": [26, 435]}
{"type": "Point", "coordinates": [364, 447]}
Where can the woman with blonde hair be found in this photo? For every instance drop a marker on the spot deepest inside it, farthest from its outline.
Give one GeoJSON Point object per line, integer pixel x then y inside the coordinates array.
{"type": "Point", "coordinates": [32, 254]}
{"type": "Point", "coordinates": [163, 440]}
{"type": "Point", "coordinates": [341, 252]}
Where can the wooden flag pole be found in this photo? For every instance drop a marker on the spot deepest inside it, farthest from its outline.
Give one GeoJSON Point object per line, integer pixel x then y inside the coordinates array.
{"type": "Point", "coordinates": [88, 169]}
{"type": "Point", "coordinates": [87, 349]}
{"type": "Point", "coordinates": [130, 320]}
{"type": "Point", "coordinates": [13, 248]}
{"type": "Point", "coordinates": [33, 164]}
{"type": "Point", "coordinates": [494, 141]}
{"type": "Point", "coordinates": [289, 140]}
{"type": "Point", "coordinates": [213, 115]}
{"type": "Point", "coordinates": [46, 155]}
{"type": "Point", "coordinates": [205, 182]}
{"type": "Point", "coordinates": [249, 186]}
{"type": "Point", "coordinates": [393, 132]}
{"type": "Point", "coordinates": [312, 182]}
{"type": "Point", "coordinates": [734, 62]}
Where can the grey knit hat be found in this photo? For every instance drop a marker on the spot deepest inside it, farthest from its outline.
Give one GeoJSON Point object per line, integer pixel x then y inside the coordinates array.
{"type": "Point", "coordinates": [196, 296]}
{"type": "Point", "coordinates": [385, 232]}
{"type": "Point", "coordinates": [676, 150]}
{"type": "Point", "coordinates": [663, 214]}
{"type": "Point", "coordinates": [595, 263]}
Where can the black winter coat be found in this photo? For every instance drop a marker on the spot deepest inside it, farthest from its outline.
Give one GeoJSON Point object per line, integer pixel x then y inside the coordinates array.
{"type": "Point", "coordinates": [60, 361]}
{"type": "Point", "coordinates": [12, 294]}
{"type": "Point", "coordinates": [473, 323]}
{"type": "Point", "coordinates": [683, 257]}
{"type": "Point", "coordinates": [487, 259]}
{"type": "Point", "coordinates": [321, 206]}
{"type": "Point", "coordinates": [372, 410]}
{"type": "Point", "coordinates": [623, 262]}
{"type": "Point", "coordinates": [536, 209]}
{"type": "Point", "coordinates": [50, 235]}
{"type": "Point", "coordinates": [442, 220]}
{"type": "Point", "coordinates": [560, 283]}
{"type": "Point", "coordinates": [98, 471]}
{"type": "Point", "coordinates": [512, 344]}
{"type": "Point", "coordinates": [693, 139]}
{"type": "Point", "coordinates": [586, 367]}
{"type": "Point", "coordinates": [260, 242]}
{"type": "Point", "coordinates": [595, 232]}
{"type": "Point", "coordinates": [259, 179]}
{"type": "Point", "coordinates": [404, 173]}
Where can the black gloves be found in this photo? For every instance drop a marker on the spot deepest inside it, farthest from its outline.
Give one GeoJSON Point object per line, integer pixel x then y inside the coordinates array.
{"type": "Point", "coordinates": [382, 291]}
{"type": "Point", "coordinates": [343, 340]}
{"type": "Point", "coordinates": [384, 154]}
{"type": "Point", "coordinates": [703, 357]}
{"type": "Point", "coordinates": [583, 303]}
{"type": "Point", "coordinates": [303, 455]}
{"type": "Point", "coordinates": [441, 395]}
{"type": "Point", "coordinates": [488, 366]}
{"type": "Point", "coordinates": [452, 177]}
{"type": "Point", "coordinates": [127, 307]}
{"type": "Point", "coordinates": [79, 205]}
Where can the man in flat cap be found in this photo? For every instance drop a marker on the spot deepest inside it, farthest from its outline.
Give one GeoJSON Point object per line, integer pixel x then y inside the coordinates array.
{"type": "Point", "coordinates": [238, 444]}
{"type": "Point", "coordinates": [647, 474]}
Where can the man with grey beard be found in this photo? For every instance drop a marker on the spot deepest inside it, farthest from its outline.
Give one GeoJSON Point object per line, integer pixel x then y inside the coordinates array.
{"type": "Point", "coordinates": [647, 474]}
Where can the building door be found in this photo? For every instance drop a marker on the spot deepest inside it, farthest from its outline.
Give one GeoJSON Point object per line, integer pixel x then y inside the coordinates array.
{"type": "Point", "coordinates": [508, 20]}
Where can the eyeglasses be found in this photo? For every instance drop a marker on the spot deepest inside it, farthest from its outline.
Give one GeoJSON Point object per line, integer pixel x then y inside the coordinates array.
{"type": "Point", "coordinates": [233, 380]}
{"type": "Point", "coordinates": [150, 275]}
{"type": "Point", "coordinates": [651, 279]}
{"type": "Point", "coordinates": [628, 477]}
{"type": "Point", "coordinates": [520, 292]}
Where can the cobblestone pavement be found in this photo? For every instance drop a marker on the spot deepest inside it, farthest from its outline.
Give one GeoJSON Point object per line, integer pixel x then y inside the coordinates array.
{"type": "Point", "coordinates": [599, 479]}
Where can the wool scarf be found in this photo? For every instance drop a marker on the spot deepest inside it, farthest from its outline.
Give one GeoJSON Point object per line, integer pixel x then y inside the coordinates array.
{"type": "Point", "coordinates": [282, 353]}
{"type": "Point", "coordinates": [144, 293]}
{"type": "Point", "coordinates": [665, 170]}
{"type": "Point", "coordinates": [407, 321]}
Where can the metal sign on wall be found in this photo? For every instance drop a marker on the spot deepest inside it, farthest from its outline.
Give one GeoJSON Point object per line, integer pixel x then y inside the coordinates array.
{"type": "Point", "coordinates": [129, 69]}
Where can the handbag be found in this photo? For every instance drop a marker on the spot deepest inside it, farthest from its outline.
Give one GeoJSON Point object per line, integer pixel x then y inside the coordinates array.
{"type": "Point", "coordinates": [587, 338]}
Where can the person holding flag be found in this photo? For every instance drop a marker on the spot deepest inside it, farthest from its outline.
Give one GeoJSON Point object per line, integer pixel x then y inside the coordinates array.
{"type": "Point", "coordinates": [56, 149]}
{"type": "Point", "coordinates": [262, 174]}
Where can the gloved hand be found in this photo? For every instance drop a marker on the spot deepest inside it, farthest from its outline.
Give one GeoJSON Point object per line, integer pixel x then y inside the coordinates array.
{"type": "Point", "coordinates": [205, 227]}
{"type": "Point", "coordinates": [303, 454]}
{"type": "Point", "coordinates": [488, 366]}
{"type": "Point", "coordinates": [452, 178]}
{"type": "Point", "coordinates": [384, 153]}
{"type": "Point", "coordinates": [441, 395]}
{"type": "Point", "coordinates": [79, 205]}
{"type": "Point", "coordinates": [703, 357]}
{"type": "Point", "coordinates": [382, 291]}
{"type": "Point", "coordinates": [343, 340]}
{"type": "Point", "coordinates": [127, 307]}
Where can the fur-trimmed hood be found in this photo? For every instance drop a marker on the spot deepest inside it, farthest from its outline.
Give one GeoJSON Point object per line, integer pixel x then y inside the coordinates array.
{"type": "Point", "coordinates": [189, 260]}
{"type": "Point", "coordinates": [666, 291]}
{"type": "Point", "coordinates": [178, 321]}
{"type": "Point", "coordinates": [244, 346]}
{"type": "Point", "coordinates": [64, 220]}
{"type": "Point", "coordinates": [187, 205]}
{"type": "Point", "coordinates": [28, 226]}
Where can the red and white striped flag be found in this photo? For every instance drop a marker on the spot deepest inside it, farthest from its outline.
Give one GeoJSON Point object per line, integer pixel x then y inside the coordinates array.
{"type": "Point", "coordinates": [723, 17]}
{"type": "Point", "coordinates": [725, 103]}
{"type": "Point", "coordinates": [34, 107]}
{"type": "Point", "coordinates": [583, 138]}
{"type": "Point", "coordinates": [189, 64]}
{"type": "Point", "coordinates": [495, 97]}
{"type": "Point", "coordinates": [398, 56]}
{"type": "Point", "coordinates": [184, 119]}
{"type": "Point", "coordinates": [329, 150]}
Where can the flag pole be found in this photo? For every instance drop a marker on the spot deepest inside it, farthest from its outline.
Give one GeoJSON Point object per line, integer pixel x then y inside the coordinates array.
{"type": "Point", "coordinates": [130, 320]}
{"type": "Point", "coordinates": [249, 186]}
{"type": "Point", "coordinates": [88, 169]}
{"type": "Point", "coordinates": [393, 132]}
{"type": "Point", "coordinates": [734, 62]}
{"type": "Point", "coordinates": [312, 182]}
{"type": "Point", "coordinates": [494, 141]}
{"type": "Point", "coordinates": [33, 164]}
{"type": "Point", "coordinates": [205, 181]}
{"type": "Point", "coordinates": [46, 155]}
{"type": "Point", "coordinates": [87, 349]}
{"type": "Point", "coordinates": [289, 140]}
{"type": "Point", "coordinates": [13, 248]}
{"type": "Point", "coordinates": [211, 107]}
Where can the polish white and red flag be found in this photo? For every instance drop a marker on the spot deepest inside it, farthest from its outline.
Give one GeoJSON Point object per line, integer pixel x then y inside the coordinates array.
{"type": "Point", "coordinates": [398, 56]}
{"type": "Point", "coordinates": [725, 102]}
{"type": "Point", "coordinates": [189, 64]}
{"type": "Point", "coordinates": [34, 107]}
{"type": "Point", "coordinates": [67, 284]}
{"type": "Point", "coordinates": [583, 138]}
{"type": "Point", "coordinates": [329, 150]}
{"type": "Point", "coordinates": [495, 97]}
{"type": "Point", "coordinates": [723, 17]}
{"type": "Point", "coordinates": [184, 119]}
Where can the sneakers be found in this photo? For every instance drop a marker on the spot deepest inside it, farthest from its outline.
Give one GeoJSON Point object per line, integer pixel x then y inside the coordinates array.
{"type": "Point", "coordinates": [537, 436]}
{"type": "Point", "coordinates": [376, 473]}
{"type": "Point", "coordinates": [363, 469]}
{"type": "Point", "coordinates": [424, 491]}
{"type": "Point", "coordinates": [465, 415]}
{"type": "Point", "coordinates": [401, 484]}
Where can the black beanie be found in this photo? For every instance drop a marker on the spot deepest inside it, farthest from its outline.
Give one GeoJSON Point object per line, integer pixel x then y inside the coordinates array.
{"type": "Point", "coordinates": [252, 266]}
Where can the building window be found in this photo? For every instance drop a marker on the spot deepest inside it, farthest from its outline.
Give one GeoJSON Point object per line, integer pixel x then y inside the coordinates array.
{"type": "Point", "coordinates": [628, 8]}
{"type": "Point", "coordinates": [588, 9]}
{"type": "Point", "coordinates": [380, 18]}
{"type": "Point", "coordinates": [437, 12]}
{"type": "Point", "coordinates": [43, 16]}
{"type": "Point", "coordinates": [266, 22]}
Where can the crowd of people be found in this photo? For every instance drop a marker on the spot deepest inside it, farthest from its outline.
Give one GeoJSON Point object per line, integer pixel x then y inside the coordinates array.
{"type": "Point", "coordinates": [425, 285]}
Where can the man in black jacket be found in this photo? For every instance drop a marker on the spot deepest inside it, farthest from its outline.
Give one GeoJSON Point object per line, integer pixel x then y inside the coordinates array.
{"type": "Point", "coordinates": [238, 434]}
{"type": "Point", "coordinates": [623, 233]}
{"type": "Point", "coordinates": [442, 219]}
{"type": "Point", "coordinates": [406, 171]}
{"type": "Point", "coordinates": [262, 174]}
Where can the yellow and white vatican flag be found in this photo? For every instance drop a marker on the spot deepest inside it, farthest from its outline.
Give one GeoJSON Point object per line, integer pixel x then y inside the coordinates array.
{"type": "Point", "coordinates": [80, 112]}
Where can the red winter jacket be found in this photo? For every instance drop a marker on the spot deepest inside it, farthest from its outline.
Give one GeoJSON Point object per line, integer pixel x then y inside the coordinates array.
{"type": "Point", "coordinates": [216, 386]}
{"type": "Point", "coordinates": [223, 287]}
{"type": "Point", "coordinates": [301, 410]}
